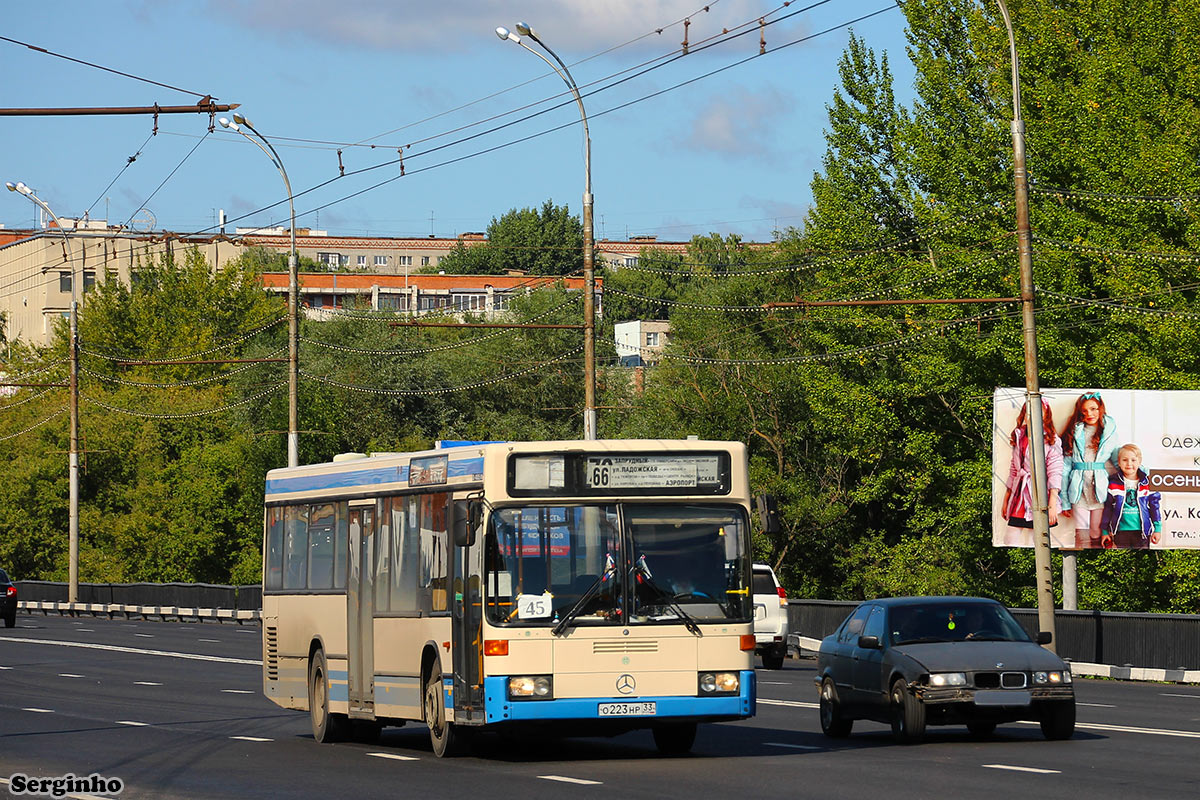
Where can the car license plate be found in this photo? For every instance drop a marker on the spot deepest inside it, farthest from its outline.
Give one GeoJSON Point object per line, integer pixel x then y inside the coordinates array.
{"type": "Point", "coordinates": [1002, 697]}
{"type": "Point", "coordinates": [628, 709]}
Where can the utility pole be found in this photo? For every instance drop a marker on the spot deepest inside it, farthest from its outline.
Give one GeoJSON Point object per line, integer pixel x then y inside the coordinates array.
{"type": "Point", "coordinates": [1044, 578]}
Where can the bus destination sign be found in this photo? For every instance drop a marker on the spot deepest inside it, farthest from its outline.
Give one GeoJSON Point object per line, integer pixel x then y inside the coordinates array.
{"type": "Point", "coordinates": [650, 472]}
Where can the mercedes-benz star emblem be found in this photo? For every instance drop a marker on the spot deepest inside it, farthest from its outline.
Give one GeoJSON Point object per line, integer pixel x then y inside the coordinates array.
{"type": "Point", "coordinates": [626, 684]}
{"type": "Point", "coordinates": [999, 664]}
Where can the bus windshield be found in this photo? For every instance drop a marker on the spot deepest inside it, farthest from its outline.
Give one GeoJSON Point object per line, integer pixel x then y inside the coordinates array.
{"type": "Point", "coordinates": [592, 563]}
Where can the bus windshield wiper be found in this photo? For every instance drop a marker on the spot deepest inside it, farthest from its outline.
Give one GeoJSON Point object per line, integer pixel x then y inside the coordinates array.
{"type": "Point", "coordinates": [643, 576]}
{"type": "Point", "coordinates": [609, 571]}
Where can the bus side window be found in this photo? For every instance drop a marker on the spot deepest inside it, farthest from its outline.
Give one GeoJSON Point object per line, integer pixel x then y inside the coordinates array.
{"type": "Point", "coordinates": [340, 546]}
{"type": "Point", "coordinates": [434, 541]}
{"type": "Point", "coordinates": [273, 577]}
{"type": "Point", "coordinates": [321, 546]}
{"type": "Point", "coordinates": [405, 555]}
{"type": "Point", "coordinates": [296, 548]}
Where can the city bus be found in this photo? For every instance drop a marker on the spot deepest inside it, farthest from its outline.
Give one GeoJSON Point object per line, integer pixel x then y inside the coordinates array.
{"type": "Point", "coordinates": [580, 587]}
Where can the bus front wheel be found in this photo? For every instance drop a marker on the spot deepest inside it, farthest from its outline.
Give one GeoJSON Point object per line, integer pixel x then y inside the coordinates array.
{"type": "Point", "coordinates": [326, 726]}
{"type": "Point", "coordinates": [443, 735]}
{"type": "Point", "coordinates": [675, 738]}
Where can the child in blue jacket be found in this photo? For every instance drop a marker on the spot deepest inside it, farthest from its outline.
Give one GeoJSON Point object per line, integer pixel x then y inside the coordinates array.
{"type": "Point", "coordinates": [1132, 517]}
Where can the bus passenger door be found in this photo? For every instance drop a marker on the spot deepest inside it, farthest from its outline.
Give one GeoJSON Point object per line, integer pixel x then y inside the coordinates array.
{"type": "Point", "coordinates": [468, 620]}
{"type": "Point", "coordinates": [360, 602]}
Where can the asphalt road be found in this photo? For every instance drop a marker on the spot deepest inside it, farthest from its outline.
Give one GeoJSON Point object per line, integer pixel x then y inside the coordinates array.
{"type": "Point", "coordinates": [130, 705]}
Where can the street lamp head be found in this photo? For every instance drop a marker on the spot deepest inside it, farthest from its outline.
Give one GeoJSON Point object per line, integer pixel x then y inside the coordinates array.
{"type": "Point", "coordinates": [225, 123]}
{"type": "Point", "coordinates": [19, 187]}
{"type": "Point", "coordinates": [524, 29]}
{"type": "Point", "coordinates": [505, 33]}
{"type": "Point", "coordinates": [240, 120]}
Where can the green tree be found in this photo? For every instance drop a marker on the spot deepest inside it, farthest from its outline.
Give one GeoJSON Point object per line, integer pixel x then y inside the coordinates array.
{"type": "Point", "coordinates": [545, 241]}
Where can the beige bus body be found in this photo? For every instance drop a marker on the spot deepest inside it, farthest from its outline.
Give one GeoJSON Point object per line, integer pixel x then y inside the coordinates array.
{"type": "Point", "coordinates": [328, 525]}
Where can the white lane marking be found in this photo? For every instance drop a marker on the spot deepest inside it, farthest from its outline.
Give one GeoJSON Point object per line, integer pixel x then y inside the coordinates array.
{"type": "Point", "coordinates": [39, 710]}
{"type": "Point", "coordinates": [237, 691]}
{"type": "Point", "coordinates": [1094, 705]}
{"type": "Point", "coordinates": [564, 779]}
{"type": "Point", "coordinates": [135, 650]}
{"type": "Point", "coordinates": [5, 667]}
{"type": "Point", "coordinates": [145, 635]}
{"type": "Point", "coordinates": [1097, 726]}
{"type": "Point", "coordinates": [251, 739]}
{"type": "Point", "coordinates": [68, 675]}
{"type": "Point", "coordinates": [133, 723]}
{"type": "Point", "coordinates": [89, 630]}
{"type": "Point", "coordinates": [214, 641]}
{"type": "Point", "coordinates": [1190, 696]}
{"type": "Point", "coordinates": [146, 683]}
{"type": "Point", "coordinates": [1023, 769]}
{"type": "Point", "coordinates": [773, 683]}
{"type": "Point", "coordinates": [788, 703]}
{"type": "Point", "coordinates": [394, 757]}
{"type": "Point", "coordinates": [794, 746]}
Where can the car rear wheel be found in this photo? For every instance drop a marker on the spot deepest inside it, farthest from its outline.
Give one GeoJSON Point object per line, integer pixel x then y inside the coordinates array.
{"type": "Point", "coordinates": [833, 724]}
{"type": "Point", "coordinates": [675, 738]}
{"type": "Point", "coordinates": [10, 619]}
{"type": "Point", "coordinates": [772, 661]}
{"type": "Point", "coordinates": [908, 714]}
{"type": "Point", "coordinates": [1058, 719]}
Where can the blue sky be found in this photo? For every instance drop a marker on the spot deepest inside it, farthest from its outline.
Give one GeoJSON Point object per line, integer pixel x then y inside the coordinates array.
{"type": "Point", "coordinates": [732, 153]}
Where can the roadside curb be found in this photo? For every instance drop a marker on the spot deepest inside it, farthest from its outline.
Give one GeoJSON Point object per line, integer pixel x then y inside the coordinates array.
{"type": "Point", "coordinates": [802, 644]}
{"type": "Point", "coordinates": [110, 610]}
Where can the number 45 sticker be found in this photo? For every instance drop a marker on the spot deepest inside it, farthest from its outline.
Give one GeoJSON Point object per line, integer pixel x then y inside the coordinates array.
{"type": "Point", "coordinates": [535, 606]}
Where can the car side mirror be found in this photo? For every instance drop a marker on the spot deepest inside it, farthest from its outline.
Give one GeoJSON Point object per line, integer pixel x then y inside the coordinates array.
{"type": "Point", "coordinates": [868, 642]}
{"type": "Point", "coordinates": [1044, 637]}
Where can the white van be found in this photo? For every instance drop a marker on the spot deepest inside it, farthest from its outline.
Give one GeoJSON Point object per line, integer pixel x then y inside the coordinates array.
{"type": "Point", "coordinates": [770, 617]}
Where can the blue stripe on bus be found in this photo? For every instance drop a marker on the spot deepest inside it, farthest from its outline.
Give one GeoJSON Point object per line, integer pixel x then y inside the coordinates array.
{"type": "Point", "coordinates": [500, 709]}
{"type": "Point", "coordinates": [462, 467]}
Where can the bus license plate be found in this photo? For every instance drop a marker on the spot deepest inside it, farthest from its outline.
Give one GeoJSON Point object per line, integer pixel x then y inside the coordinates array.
{"type": "Point", "coordinates": [628, 709]}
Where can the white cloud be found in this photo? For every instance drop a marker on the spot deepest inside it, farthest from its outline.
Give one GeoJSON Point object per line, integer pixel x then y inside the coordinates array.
{"type": "Point", "coordinates": [741, 125]}
{"type": "Point", "coordinates": [578, 26]}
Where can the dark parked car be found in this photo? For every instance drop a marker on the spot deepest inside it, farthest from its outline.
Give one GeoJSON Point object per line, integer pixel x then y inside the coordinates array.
{"type": "Point", "coordinates": [917, 661]}
{"type": "Point", "coordinates": [8, 600]}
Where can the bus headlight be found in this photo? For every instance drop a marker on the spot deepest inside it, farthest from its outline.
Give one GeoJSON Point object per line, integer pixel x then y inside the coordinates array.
{"type": "Point", "coordinates": [535, 687]}
{"type": "Point", "coordinates": [719, 683]}
{"type": "Point", "coordinates": [948, 679]}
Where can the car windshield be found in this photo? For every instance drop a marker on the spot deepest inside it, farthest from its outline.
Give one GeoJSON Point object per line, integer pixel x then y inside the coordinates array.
{"type": "Point", "coordinates": [588, 564]}
{"type": "Point", "coordinates": [949, 621]}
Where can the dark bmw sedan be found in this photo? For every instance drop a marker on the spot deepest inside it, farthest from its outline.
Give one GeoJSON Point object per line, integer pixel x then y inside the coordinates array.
{"type": "Point", "coordinates": [8, 600]}
{"type": "Point", "coordinates": [917, 661]}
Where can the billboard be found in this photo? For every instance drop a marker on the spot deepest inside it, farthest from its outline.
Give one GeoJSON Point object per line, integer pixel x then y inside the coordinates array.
{"type": "Point", "coordinates": [1110, 494]}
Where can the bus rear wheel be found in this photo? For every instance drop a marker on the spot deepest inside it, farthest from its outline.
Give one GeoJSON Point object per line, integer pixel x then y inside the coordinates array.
{"type": "Point", "coordinates": [326, 726]}
{"type": "Point", "coordinates": [444, 736]}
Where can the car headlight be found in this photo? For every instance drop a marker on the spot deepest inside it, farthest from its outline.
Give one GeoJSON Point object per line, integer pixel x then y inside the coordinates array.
{"type": "Point", "coordinates": [1052, 677]}
{"type": "Point", "coordinates": [537, 687]}
{"type": "Point", "coordinates": [719, 683]}
{"type": "Point", "coordinates": [948, 679]}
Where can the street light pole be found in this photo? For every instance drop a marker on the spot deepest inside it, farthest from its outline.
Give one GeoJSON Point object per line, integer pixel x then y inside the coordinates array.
{"type": "Point", "coordinates": [589, 244]}
{"type": "Point", "coordinates": [293, 441]}
{"type": "Point", "coordinates": [73, 403]}
{"type": "Point", "coordinates": [1033, 399]}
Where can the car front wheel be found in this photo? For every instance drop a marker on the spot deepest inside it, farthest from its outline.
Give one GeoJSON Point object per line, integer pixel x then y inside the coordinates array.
{"type": "Point", "coordinates": [833, 724]}
{"type": "Point", "coordinates": [908, 714]}
{"type": "Point", "coordinates": [1058, 719]}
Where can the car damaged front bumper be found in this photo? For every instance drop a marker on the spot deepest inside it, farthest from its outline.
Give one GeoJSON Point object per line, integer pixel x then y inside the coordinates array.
{"type": "Point", "coordinates": [969, 697]}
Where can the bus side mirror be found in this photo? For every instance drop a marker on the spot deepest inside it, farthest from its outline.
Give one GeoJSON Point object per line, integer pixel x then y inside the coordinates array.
{"type": "Point", "coordinates": [466, 516]}
{"type": "Point", "coordinates": [768, 512]}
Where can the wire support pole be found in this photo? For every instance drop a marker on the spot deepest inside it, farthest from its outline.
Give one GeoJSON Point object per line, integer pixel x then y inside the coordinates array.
{"type": "Point", "coordinates": [589, 245]}
{"type": "Point", "coordinates": [1044, 578]}
{"type": "Point", "coordinates": [73, 403]}
{"type": "Point", "coordinates": [293, 437]}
